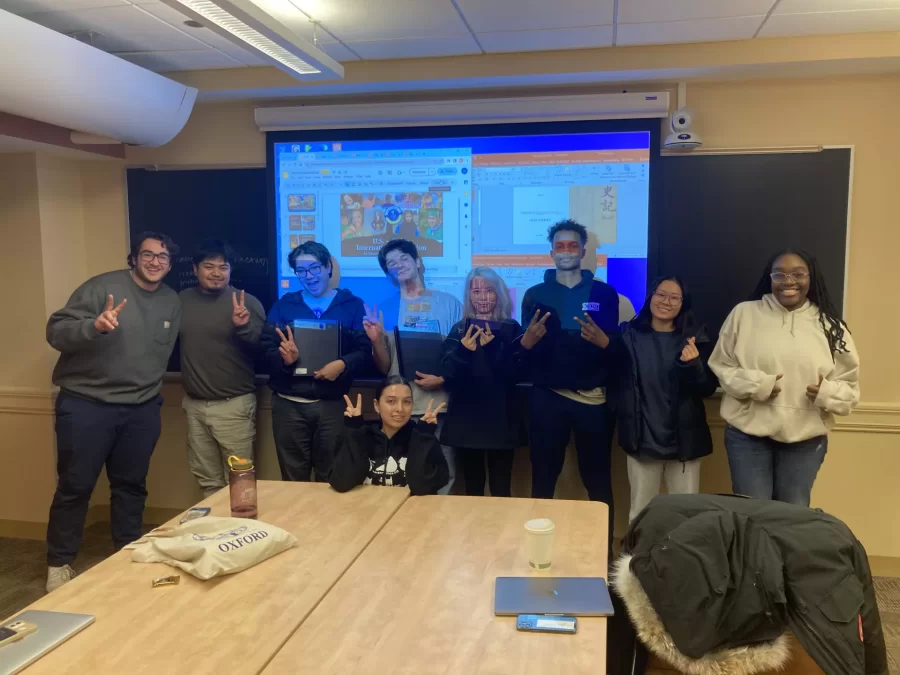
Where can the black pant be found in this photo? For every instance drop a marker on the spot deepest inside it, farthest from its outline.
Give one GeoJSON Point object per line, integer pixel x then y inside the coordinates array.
{"type": "Point", "coordinates": [306, 437]}
{"type": "Point", "coordinates": [499, 473]}
{"type": "Point", "coordinates": [553, 419]}
{"type": "Point", "coordinates": [90, 434]}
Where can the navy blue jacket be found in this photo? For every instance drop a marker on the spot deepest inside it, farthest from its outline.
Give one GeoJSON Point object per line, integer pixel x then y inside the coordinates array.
{"type": "Point", "coordinates": [562, 359]}
{"type": "Point", "coordinates": [356, 349]}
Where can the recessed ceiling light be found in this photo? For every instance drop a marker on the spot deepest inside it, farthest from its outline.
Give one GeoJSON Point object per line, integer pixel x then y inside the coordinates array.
{"type": "Point", "coordinates": [190, 23]}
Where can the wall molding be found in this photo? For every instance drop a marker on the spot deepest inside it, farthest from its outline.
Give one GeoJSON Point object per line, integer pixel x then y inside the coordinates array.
{"type": "Point", "coordinates": [26, 401]}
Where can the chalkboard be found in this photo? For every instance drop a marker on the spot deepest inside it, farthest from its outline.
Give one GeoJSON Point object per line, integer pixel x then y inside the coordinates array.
{"type": "Point", "coordinates": [194, 205]}
{"type": "Point", "coordinates": [720, 217]}
{"type": "Point", "coordinates": [715, 220]}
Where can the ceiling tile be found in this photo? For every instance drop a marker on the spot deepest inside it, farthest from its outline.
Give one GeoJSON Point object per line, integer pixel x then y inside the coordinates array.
{"type": "Point", "coordinates": [122, 29]}
{"type": "Point", "coordinates": [368, 21]}
{"type": "Point", "coordinates": [26, 7]}
{"type": "Point", "coordinates": [289, 15]}
{"type": "Point", "coordinates": [546, 40]}
{"type": "Point", "coordinates": [659, 11]}
{"type": "Point", "coordinates": [485, 16]}
{"type": "Point", "coordinates": [703, 30]}
{"type": "Point", "coordinates": [809, 6]}
{"type": "Point", "coordinates": [338, 52]}
{"type": "Point", "coordinates": [165, 62]}
{"type": "Point", "coordinates": [863, 21]}
{"type": "Point", "coordinates": [412, 49]}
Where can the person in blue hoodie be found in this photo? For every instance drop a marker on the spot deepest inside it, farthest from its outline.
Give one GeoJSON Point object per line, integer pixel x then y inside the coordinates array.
{"type": "Point", "coordinates": [569, 319]}
{"type": "Point", "coordinates": [308, 410]}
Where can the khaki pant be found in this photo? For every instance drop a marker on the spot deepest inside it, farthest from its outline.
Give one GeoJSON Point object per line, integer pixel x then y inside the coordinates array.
{"type": "Point", "coordinates": [216, 430]}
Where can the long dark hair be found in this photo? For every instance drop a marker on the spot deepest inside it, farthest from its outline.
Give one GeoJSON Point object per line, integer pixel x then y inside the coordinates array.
{"type": "Point", "coordinates": [389, 381]}
{"type": "Point", "coordinates": [829, 316]}
{"type": "Point", "coordinates": [685, 322]}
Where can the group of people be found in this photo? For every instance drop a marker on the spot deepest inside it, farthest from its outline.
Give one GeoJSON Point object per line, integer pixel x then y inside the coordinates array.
{"type": "Point", "coordinates": [785, 360]}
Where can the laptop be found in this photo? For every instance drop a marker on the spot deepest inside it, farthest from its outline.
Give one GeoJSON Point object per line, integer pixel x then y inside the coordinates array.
{"type": "Point", "coordinates": [571, 596]}
{"type": "Point", "coordinates": [418, 351]}
{"type": "Point", "coordinates": [318, 343]}
{"type": "Point", "coordinates": [53, 628]}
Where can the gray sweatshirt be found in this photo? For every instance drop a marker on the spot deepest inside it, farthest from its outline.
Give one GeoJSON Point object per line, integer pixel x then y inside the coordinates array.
{"type": "Point", "coordinates": [217, 357]}
{"type": "Point", "coordinates": [125, 365]}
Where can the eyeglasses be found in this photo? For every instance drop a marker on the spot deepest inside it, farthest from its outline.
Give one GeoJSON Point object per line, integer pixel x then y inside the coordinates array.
{"type": "Point", "coordinates": [665, 297]}
{"type": "Point", "coordinates": [314, 270]}
{"type": "Point", "coordinates": [150, 256]}
{"type": "Point", "coordinates": [798, 276]}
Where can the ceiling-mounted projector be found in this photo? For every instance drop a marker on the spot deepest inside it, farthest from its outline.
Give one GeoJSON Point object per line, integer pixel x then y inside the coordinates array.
{"type": "Point", "coordinates": [682, 136]}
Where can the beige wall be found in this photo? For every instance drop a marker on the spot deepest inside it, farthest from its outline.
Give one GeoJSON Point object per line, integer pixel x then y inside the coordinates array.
{"type": "Point", "coordinates": [857, 482]}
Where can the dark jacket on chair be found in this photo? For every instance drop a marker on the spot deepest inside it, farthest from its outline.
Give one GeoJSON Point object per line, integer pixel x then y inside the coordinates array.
{"type": "Point", "coordinates": [711, 584]}
{"type": "Point", "coordinates": [692, 382]}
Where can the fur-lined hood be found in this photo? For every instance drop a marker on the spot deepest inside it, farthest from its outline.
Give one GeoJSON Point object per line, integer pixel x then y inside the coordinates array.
{"type": "Point", "coordinates": [746, 660]}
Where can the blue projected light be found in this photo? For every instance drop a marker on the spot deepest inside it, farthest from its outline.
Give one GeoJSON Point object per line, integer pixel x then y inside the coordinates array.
{"type": "Point", "coordinates": [465, 202]}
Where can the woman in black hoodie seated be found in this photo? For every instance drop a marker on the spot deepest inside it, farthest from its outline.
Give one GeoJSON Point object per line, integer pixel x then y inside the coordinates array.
{"type": "Point", "coordinates": [661, 380]}
{"type": "Point", "coordinates": [394, 452]}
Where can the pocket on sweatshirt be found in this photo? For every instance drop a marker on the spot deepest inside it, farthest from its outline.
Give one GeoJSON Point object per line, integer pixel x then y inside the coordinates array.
{"type": "Point", "coordinates": [163, 331]}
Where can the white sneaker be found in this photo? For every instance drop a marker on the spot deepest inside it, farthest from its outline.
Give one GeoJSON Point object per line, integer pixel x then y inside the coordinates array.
{"type": "Point", "coordinates": [57, 576]}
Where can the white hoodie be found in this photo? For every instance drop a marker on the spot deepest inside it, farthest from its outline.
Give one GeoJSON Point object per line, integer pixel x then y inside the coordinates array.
{"type": "Point", "coordinates": [761, 340]}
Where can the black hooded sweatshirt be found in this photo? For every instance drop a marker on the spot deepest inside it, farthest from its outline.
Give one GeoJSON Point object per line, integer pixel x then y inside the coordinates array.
{"type": "Point", "coordinates": [411, 458]}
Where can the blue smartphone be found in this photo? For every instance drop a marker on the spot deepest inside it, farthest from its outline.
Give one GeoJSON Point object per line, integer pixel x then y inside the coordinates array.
{"type": "Point", "coordinates": [547, 623]}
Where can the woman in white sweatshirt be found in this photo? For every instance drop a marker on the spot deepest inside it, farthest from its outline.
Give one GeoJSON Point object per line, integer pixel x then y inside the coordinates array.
{"type": "Point", "coordinates": [788, 365]}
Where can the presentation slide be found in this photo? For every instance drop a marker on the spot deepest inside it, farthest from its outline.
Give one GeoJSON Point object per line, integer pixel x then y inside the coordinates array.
{"type": "Point", "coordinates": [466, 202]}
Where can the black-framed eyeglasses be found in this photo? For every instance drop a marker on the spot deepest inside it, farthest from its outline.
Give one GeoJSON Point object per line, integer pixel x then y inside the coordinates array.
{"type": "Point", "coordinates": [150, 256]}
{"type": "Point", "coordinates": [314, 270]}
{"type": "Point", "coordinates": [781, 277]}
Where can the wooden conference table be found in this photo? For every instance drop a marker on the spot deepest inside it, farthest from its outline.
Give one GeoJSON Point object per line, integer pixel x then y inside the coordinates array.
{"type": "Point", "coordinates": [378, 583]}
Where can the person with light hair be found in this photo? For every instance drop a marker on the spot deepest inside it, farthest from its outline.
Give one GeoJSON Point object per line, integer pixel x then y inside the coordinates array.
{"type": "Point", "coordinates": [482, 421]}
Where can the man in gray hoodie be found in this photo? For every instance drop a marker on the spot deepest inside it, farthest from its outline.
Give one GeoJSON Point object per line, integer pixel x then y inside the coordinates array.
{"type": "Point", "coordinates": [115, 336]}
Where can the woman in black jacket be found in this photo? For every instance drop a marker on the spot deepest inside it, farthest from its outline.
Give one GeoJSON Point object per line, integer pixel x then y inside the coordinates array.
{"type": "Point", "coordinates": [479, 367]}
{"type": "Point", "coordinates": [663, 377]}
{"type": "Point", "coordinates": [395, 452]}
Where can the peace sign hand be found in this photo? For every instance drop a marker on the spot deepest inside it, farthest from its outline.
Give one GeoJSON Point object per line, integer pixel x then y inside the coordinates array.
{"type": "Point", "coordinates": [431, 416]}
{"type": "Point", "coordinates": [690, 351]}
{"type": "Point", "coordinates": [373, 323]}
{"type": "Point", "coordinates": [353, 410]}
{"type": "Point", "coordinates": [288, 347]}
{"type": "Point", "coordinates": [536, 330]}
{"type": "Point", "coordinates": [240, 315]}
{"type": "Point", "coordinates": [470, 339]}
{"type": "Point", "coordinates": [591, 332]}
{"type": "Point", "coordinates": [485, 336]}
{"type": "Point", "coordinates": [109, 318]}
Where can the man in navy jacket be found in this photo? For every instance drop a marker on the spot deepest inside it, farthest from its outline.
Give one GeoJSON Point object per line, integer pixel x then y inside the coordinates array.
{"type": "Point", "coordinates": [569, 319]}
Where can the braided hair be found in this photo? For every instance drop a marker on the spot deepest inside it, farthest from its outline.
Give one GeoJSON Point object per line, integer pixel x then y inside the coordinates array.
{"type": "Point", "coordinates": [829, 317]}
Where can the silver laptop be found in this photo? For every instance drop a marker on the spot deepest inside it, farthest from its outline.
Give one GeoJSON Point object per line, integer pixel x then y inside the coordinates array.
{"type": "Point", "coordinates": [571, 596]}
{"type": "Point", "coordinates": [53, 628]}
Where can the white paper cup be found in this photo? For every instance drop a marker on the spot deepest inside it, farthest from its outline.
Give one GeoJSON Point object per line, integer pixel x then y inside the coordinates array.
{"type": "Point", "coordinates": [539, 542]}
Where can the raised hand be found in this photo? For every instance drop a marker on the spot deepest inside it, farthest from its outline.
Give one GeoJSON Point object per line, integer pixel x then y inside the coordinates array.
{"type": "Point", "coordinates": [288, 347]}
{"type": "Point", "coordinates": [470, 339]}
{"type": "Point", "coordinates": [431, 416]}
{"type": "Point", "coordinates": [240, 315]}
{"type": "Point", "coordinates": [429, 382]}
{"type": "Point", "coordinates": [776, 389]}
{"type": "Point", "coordinates": [373, 323]}
{"type": "Point", "coordinates": [812, 391]}
{"type": "Point", "coordinates": [353, 410]}
{"type": "Point", "coordinates": [536, 330]}
{"type": "Point", "coordinates": [485, 336]}
{"type": "Point", "coordinates": [331, 371]}
{"type": "Point", "coordinates": [109, 318]}
{"type": "Point", "coordinates": [690, 351]}
{"type": "Point", "coordinates": [591, 332]}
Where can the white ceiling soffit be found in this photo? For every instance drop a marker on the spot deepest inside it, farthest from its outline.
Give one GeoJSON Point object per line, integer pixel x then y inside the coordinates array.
{"type": "Point", "coordinates": [43, 78]}
{"type": "Point", "coordinates": [246, 25]}
{"type": "Point", "coordinates": [472, 111]}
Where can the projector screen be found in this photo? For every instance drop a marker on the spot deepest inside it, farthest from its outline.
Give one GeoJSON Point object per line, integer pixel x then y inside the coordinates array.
{"type": "Point", "coordinates": [466, 201]}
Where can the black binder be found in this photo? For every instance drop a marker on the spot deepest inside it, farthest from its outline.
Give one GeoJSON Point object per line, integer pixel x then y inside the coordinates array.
{"type": "Point", "coordinates": [418, 351]}
{"type": "Point", "coordinates": [318, 342]}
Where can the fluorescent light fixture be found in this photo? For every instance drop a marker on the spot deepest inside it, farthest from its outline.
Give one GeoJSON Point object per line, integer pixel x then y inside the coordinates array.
{"type": "Point", "coordinates": [248, 26]}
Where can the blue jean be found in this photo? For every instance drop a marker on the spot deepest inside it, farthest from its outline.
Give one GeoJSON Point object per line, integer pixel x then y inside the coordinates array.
{"type": "Point", "coordinates": [767, 469]}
